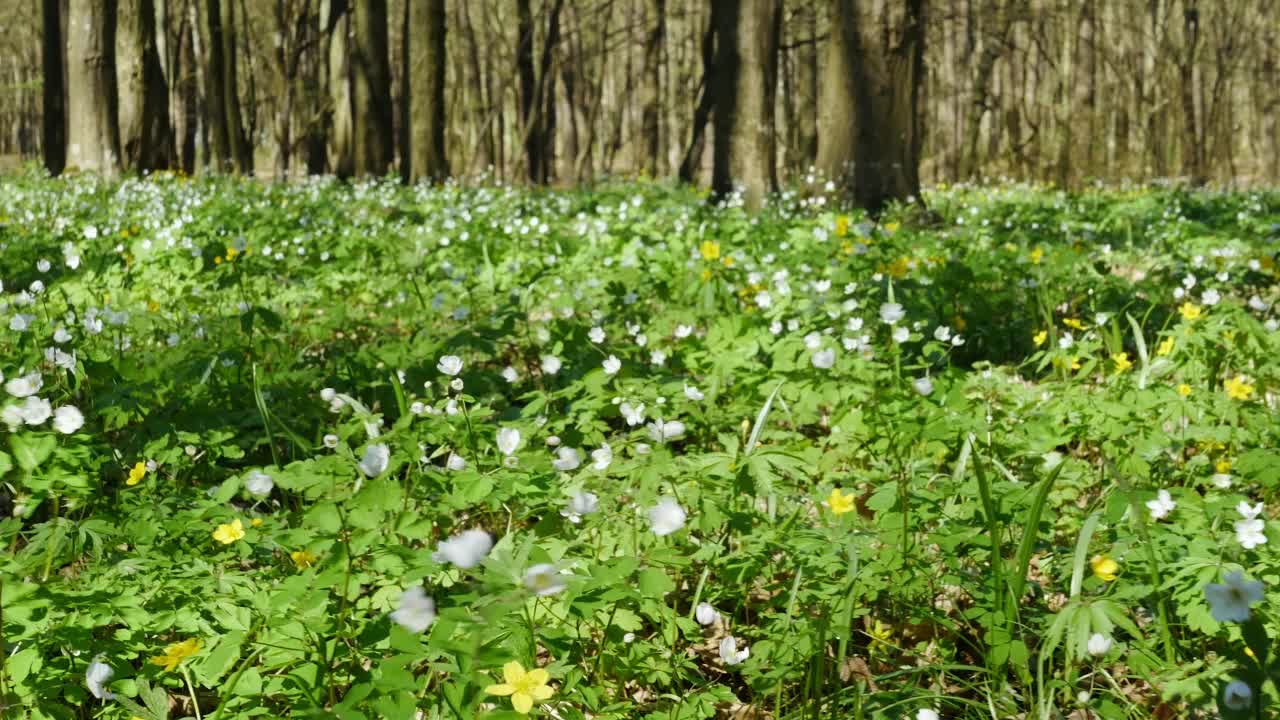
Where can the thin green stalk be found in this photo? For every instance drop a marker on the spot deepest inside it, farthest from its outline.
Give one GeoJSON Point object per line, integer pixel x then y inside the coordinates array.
{"type": "Point", "coordinates": [191, 692]}
{"type": "Point", "coordinates": [1153, 569]}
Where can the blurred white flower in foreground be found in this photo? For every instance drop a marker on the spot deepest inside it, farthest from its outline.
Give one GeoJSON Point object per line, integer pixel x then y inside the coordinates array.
{"type": "Point", "coordinates": [543, 580]}
{"type": "Point", "coordinates": [97, 677]}
{"type": "Point", "coordinates": [450, 365]}
{"type": "Point", "coordinates": [375, 460]}
{"type": "Point", "coordinates": [1229, 601]}
{"type": "Point", "coordinates": [730, 653]}
{"type": "Point", "coordinates": [666, 517]}
{"type": "Point", "coordinates": [464, 550]}
{"type": "Point", "coordinates": [417, 610]}
{"type": "Point", "coordinates": [705, 614]}
{"type": "Point", "coordinates": [508, 440]}
{"type": "Point", "coordinates": [1162, 505]}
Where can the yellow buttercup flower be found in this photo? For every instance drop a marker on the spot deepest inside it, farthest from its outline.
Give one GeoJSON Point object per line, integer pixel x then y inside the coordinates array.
{"type": "Point", "coordinates": [1074, 324]}
{"type": "Point", "coordinates": [229, 533]}
{"type": "Point", "coordinates": [136, 474]}
{"type": "Point", "coordinates": [175, 653]}
{"type": "Point", "coordinates": [1037, 255]}
{"type": "Point", "coordinates": [1166, 347]}
{"type": "Point", "coordinates": [303, 559]}
{"type": "Point", "coordinates": [1238, 389]}
{"type": "Point", "coordinates": [892, 227]}
{"type": "Point", "coordinates": [1104, 567]}
{"type": "Point", "coordinates": [1190, 311]}
{"type": "Point", "coordinates": [523, 686]}
{"type": "Point", "coordinates": [839, 502]}
{"type": "Point", "coordinates": [1184, 389]}
{"type": "Point", "coordinates": [256, 522]}
{"type": "Point", "coordinates": [842, 226]}
{"type": "Point", "coordinates": [1040, 337]}
{"type": "Point", "coordinates": [727, 261]}
{"type": "Point", "coordinates": [232, 253]}
{"type": "Point", "coordinates": [1223, 466]}
{"type": "Point", "coordinates": [710, 250]}
{"type": "Point", "coordinates": [1121, 361]}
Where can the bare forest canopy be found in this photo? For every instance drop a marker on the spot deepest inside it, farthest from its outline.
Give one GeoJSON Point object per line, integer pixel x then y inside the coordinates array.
{"type": "Point", "coordinates": [878, 95]}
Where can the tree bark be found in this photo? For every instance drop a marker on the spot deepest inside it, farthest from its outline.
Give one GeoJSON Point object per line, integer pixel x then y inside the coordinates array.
{"type": "Point", "coordinates": [53, 119]}
{"type": "Point", "coordinates": [338, 28]}
{"type": "Point", "coordinates": [869, 128]}
{"type": "Point", "coordinates": [652, 90]}
{"type": "Point", "coordinates": [373, 126]}
{"type": "Point", "coordinates": [425, 158]}
{"type": "Point", "coordinates": [93, 132]}
{"type": "Point", "coordinates": [145, 137]}
{"type": "Point", "coordinates": [745, 76]}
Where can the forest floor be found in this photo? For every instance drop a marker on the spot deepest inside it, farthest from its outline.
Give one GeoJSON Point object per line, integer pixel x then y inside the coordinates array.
{"type": "Point", "coordinates": [365, 451]}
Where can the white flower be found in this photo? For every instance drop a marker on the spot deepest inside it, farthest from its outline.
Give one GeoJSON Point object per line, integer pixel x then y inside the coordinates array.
{"type": "Point", "coordinates": [824, 359]}
{"type": "Point", "coordinates": [612, 365]}
{"type": "Point", "coordinates": [602, 457]}
{"type": "Point", "coordinates": [509, 374]}
{"type": "Point", "coordinates": [450, 365]}
{"type": "Point", "coordinates": [97, 677]}
{"type": "Point", "coordinates": [1066, 341]}
{"type": "Point", "coordinates": [455, 462]}
{"type": "Point", "coordinates": [684, 331]}
{"type": "Point", "coordinates": [456, 384]}
{"type": "Point", "coordinates": [1210, 297]}
{"type": "Point", "coordinates": [927, 714]}
{"type": "Point", "coordinates": [657, 357]}
{"type": "Point", "coordinates": [1221, 480]}
{"type": "Point", "coordinates": [1249, 533]}
{"type": "Point", "coordinates": [375, 460]}
{"type": "Point", "coordinates": [923, 385]}
{"type": "Point", "coordinates": [464, 550]}
{"type": "Point", "coordinates": [550, 364]}
{"type": "Point", "coordinates": [634, 414]}
{"type": "Point", "coordinates": [775, 327]}
{"type": "Point", "coordinates": [543, 580]}
{"type": "Point", "coordinates": [1247, 511]}
{"type": "Point", "coordinates": [693, 393]}
{"type": "Point", "coordinates": [596, 334]}
{"type": "Point", "coordinates": [25, 385]}
{"type": "Point", "coordinates": [813, 340]}
{"type": "Point", "coordinates": [331, 441]}
{"type": "Point", "coordinates": [891, 313]}
{"type": "Point", "coordinates": [566, 459]}
{"type": "Point", "coordinates": [663, 431]}
{"type": "Point", "coordinates": [20, 322]}
{"type": "Point", "coordinates": [666, 517]}
{"type": "Point", "coordinates": [1237, 695]}
{"type": "Point", "coordinates": [901, 334]}
{"type": "Point", "coordinates": [328, 395]}
{"type": "Point", "coordinates": [705, 614]}
{"type": "Point", "coordinates": [582, 503]}
{"type": "Point", "coordinates": [508, 440]}
{"type": "Point", "coordinates": [1230, 600]}
{"type": "Point", "coordinates": [730, 653]}
{"type": "Point", "coordinates": [68, 419]}
{"type": "Point", "coordinates": [417, 610]}
{"type": "Point", "coordinates": [956, 341]}
{"type": "Point", "coordinates": [35, 410]}
{"type": "Point", "coordinates": [1099, 644]}
{"type": "Point", "coordinates": [61, 336]}
{"type": "Point", "coordinates": [1162, 505]}
{"type": "Point", "coordinates": [942, 333]}
{"type": "Point", "coordinates": [764, 300]}
{"type": "Point", "coordinates": [259, 484]}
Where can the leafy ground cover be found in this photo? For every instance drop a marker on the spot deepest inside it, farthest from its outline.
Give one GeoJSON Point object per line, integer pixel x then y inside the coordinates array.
{"type": "Point", "coordinates": [362, 451]}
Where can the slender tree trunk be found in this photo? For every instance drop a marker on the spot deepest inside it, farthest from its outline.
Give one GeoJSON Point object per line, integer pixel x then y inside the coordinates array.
{"type": "Point", "coordinates": [706, 99]}
{"type": "Point", "coordinates": [869, 128]}
{"type": "Point", "coordinates": [373, 127]}
{"type": "Point", "coordinates": [53, 118]}
{"type": "Point", "coordinates": [425, 158]}
{"type": "Point", "coordinates": [1192, 147]}
{"type": "Point", "coordinates": [746, 74]}
{"type": "Point", "coordinates": [93, 133]}
{"type": "Point", "coordinates": [652, 131]}
{"type": "Point", "coordinates": [338, 28]}
{"type": "Point", "coordinates": [145, 136]}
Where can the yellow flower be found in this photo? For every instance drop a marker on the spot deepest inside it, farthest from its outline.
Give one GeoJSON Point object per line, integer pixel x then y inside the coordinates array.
{"type": "Point", "coordinates": [1190, 311]}
{"type": "Point", "coordinates": [842, 225]}
{"type": "Point", "coordinates": [706, 274]}
{"type": "Point", "coordinates": [710, 250]}
{"type": "Point", "coordinates": [880, 635]}
{"type": "Point", "coordinates": [727, 260]}
{"type": "Point", "coordinates": [1037, 255]}
{"type": "Point", "coordinates": [1166, 347]}
{"type": "Point", "coordinates": [1104, 567]}
{"type": "Point", "coordinates": [892, 227]}
{"type": "Point", "coordinates": [1040, 337]}
{"type": "Point", "coordinates": [176, 653]}
{"type": "Point", "coordinates": [839, 503]}
{"type": "Point", "coordinates": [1074, 323]}
{"type": "Point", "coordinates": [1184, 389]}
{"type": "Point", "coordinates": [1223, 466]}
{"type": "Point", "coordinates": [1237, 388]}
{"type": "Point", "coordinates": [523, 687]}
{"type": "Point", "coordinates": [232, 253]}
{"type": "Point", "coordinates": [256, 522]}
{"type": "Point", "coordinates": [227, 534]}
{"type": "Point", "coordinates": [303, 558]}
{"type": "Point", "coordinates": [217, 260]}
{"type": "Point", "coordinates": [138, 472]}
{"type": "Point", "coordinates": [1122, 361]}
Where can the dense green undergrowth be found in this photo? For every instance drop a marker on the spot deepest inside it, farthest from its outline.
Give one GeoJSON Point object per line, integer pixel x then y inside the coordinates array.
{"type": "Point", "coordinates": [365, 451]}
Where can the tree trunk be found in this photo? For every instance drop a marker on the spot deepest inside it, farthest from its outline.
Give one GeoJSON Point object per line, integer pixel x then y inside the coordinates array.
{"type": "Point", "coordinates": [706, 99]}
{"type": "Point", "coordinates": [93, 133]}
{"type": "Point", "coordinates": [373, 127]}
{"type": "Point", "coordinates": [54, 116]}
{"type": "Point", "coordinates": [746, 72]}
{"type": "Point", "coordinates": [239, 145]}
{"type": "Point", "coordinates": [1192, 147]}
{"type": "Point", "coordinates": [338, 27]}
{"type": "Point", "coordinates": [652, 91]}
{"type": "Point", "coordinates": [145, 138]}
{"type": "Point", "coordinates": [425, 158]}
{"type": "Point", "coordinates": [869, 133]}
{"type": "Point", "coordinates": [528, 85]}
